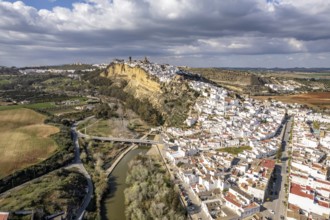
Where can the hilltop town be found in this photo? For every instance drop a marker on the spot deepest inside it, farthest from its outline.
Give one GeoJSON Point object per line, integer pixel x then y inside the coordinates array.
{"type": "Point", "coordinates": [228, 154]}
{"type": "Point", "coordinates": [239, 157]}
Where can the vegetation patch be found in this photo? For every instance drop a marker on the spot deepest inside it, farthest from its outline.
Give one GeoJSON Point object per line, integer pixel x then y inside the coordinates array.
{"type": "Point", "coordinates": [59, 191]}
{"type": "Point", "coordinates": [235, 150]}
{"type": "Point", "coordinates": [150, 193]}
{"type": "Point", "coordinates": [25, 139]}
{"type": "Point", "coordinates": [97, 158]}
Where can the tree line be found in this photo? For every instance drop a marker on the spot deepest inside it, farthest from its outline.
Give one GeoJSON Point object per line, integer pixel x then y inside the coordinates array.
{"type": "Point", "coordinates": [150, 193]}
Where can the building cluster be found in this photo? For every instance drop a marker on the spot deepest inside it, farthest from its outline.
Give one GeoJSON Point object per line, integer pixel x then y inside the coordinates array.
{"type": "Point", "coordinates": [101, 66]}
{"type": "Point", "coordinates": [218, 123]}
{"type": "Point", "coordinates": [219, 120]}
{"type": "Point", "coordinates": [309, 191]}
{"type": "Point", "coordinates": [229, 186]}
{"type": "Point", "coordinates": [163, 72]}
{"type": "Point", "coordinates": [54, 71]}
{"type": "Point", "coordinates": [286, 86]}
{"type": "Point", "coordinates": [238, 187]}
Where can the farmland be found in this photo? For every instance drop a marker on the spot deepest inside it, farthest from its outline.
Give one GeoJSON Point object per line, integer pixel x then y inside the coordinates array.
{"type": "Point", "coordinates": [24, 139]}
{"type": "Point", "coordinates": [318, 100]}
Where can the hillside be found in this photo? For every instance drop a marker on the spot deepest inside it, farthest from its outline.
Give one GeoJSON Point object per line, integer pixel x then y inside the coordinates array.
{"type": "Point", "coordinates": [25, 139]}
{"type": "Point", "coordinates": [139, 83]}
{"type": "Point", "coordinates": [237, 80]}
{"type": "Point", "coordinates": [159, 85]}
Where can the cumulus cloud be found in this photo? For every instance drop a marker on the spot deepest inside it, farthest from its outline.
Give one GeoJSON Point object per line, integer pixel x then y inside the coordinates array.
{"type": "Point", "coordinates": [172, 30]}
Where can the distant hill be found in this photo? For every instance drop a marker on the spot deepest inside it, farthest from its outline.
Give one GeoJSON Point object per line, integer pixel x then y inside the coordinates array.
{"type": "Point", "coordinates": [296, 69]}
{"type": "Point", "coordinates": [9, 70]}
{"type": "Point", "coordinates": [238, 80]}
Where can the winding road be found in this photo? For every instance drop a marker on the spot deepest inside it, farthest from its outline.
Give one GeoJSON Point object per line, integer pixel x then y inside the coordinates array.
{"type": "Point", "coordinates": [78, 164]}
{"type": "Point", "coordinates": [75, 164]}
{"type": "Point", "coordinates": [80, 167]}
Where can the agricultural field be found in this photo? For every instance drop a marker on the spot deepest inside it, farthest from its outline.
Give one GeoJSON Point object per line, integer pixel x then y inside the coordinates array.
{"type": "Point", "coordinates": [318, 100]}
{"type": "Point", "coordinates": [41, 105]}
{"type": "Point", "coordinates": [62, 190]}
{"type": "Point", "coordinates": [25, 139]}
{"type": "Point", "coordinates": [55, 84]}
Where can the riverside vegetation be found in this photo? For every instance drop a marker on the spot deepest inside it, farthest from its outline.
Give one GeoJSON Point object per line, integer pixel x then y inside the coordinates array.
{"type": "Point", "coordinates": [150, 193]}
{"type": "Point", "coordinates": [97, 157]}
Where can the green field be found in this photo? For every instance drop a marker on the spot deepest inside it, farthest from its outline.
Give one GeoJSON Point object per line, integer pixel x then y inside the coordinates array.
{"type": "Point", "coordinates": [42, 105]}
{"type": "Point", "coordinates": [24, 139]}
{"type": "Point", "coordinates": [235, 150]}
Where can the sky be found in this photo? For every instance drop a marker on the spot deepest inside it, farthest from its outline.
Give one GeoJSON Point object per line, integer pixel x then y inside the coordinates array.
{"type": "Point", "coordinates": [199, 33]}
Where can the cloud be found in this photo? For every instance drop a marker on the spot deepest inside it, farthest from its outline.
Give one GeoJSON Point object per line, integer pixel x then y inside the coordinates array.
{"type": "Point", "coordinates": [99, 30]}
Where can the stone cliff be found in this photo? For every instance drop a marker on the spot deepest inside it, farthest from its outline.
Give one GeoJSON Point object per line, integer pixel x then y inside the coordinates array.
{"type": "Point", "coordinates": [139, 82]}
{"type": "Point", "coordinates": [172, 98]}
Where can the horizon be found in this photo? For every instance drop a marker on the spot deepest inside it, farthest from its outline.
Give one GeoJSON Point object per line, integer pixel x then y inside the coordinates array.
{"type": "Point", "coordinates": [239, 34]}
{"type": "Point", "coordinates": [224, 67]}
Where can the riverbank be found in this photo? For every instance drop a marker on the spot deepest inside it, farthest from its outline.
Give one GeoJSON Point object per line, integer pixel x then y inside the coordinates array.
{"type": "Point", "coordinates": [113, 204]}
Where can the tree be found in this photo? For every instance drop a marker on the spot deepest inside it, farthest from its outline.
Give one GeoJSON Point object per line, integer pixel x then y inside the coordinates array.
{"type": "Point", "coordinates": [104, 111]}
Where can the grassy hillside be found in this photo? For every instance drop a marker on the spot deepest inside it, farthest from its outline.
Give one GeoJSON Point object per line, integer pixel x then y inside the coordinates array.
{"type": "Point", "coordinates": [24, 139]}
{"type": "Point", "coordinates": [237, 80]}
{"type": "Point", "coordinates": [55, 192]}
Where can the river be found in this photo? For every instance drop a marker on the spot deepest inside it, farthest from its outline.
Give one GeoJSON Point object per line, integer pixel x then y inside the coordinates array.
{"type": "Point", "coordinates": [113, 207]}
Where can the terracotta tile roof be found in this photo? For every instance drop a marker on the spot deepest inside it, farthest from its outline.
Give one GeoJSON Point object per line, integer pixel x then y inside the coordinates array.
{"type": "Point", "coordinates": [232, 199]}
{"type": "Point", "coordinates": [270, 164]}
{"type": "Point", "coordinates": [300, 191]}
{"type": "Point", "coordinates": [4, 215]}
{"type": "Point", "coordinates": [251, 205]}
{"type": "Point", "coordinates": [325, 189]}
{"type": "Point", "coordinates": [324, 204]}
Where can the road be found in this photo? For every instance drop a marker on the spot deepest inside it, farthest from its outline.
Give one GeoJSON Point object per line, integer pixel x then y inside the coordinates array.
{"type": "Point", "coordinates": [77, 164]}
{"type": "Point", "coordinates": [281, 174]}
{"type": "Point", "coordinates": [281, 207]}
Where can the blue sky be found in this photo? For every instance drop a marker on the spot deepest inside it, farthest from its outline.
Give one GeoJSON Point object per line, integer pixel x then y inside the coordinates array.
{"type": "Point", "coordinates": [48, 4]}
{"type": "Point", "coordinates": [218, 33]}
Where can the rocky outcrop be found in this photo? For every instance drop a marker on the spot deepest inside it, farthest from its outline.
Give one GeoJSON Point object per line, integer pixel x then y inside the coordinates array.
{"type": "Point", "coordinates": [172, 98]}
{"type": "Point", "coordinates": [139, 82]}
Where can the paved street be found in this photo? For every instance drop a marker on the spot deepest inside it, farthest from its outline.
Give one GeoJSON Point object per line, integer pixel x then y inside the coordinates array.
{"type": "Point", "coordinates": [78, 164]}
{"type": "Point", "coordinates": [278, 196]}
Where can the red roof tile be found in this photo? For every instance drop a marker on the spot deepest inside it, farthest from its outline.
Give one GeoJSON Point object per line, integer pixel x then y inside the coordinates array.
{"type": "Point", "coordinates": [232, 199]}
{"type": "Point", "coordinates": [4, 215]}
{"type": "Point", "coordinates": [300, 191]}
{"type": "Point", "coordinates": [270, 164]}
{"type": "Point", "coordinates": [324, 204]}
